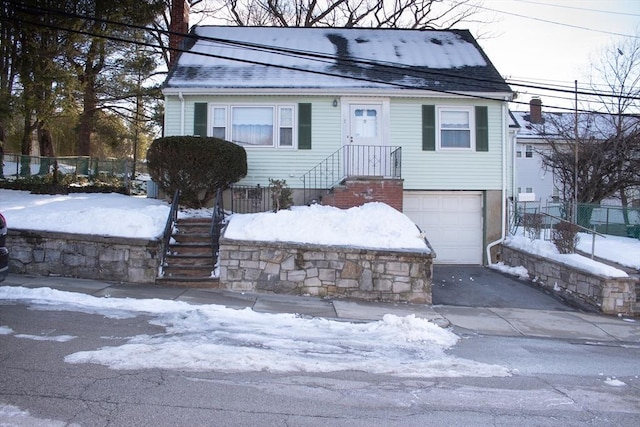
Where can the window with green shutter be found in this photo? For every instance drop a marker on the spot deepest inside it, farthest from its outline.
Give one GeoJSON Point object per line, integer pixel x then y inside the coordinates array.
{"type": "Point", "coordinates": [482, 129]}
{"type": "Point", "coordinates": [428, 127]}
{"type": "Point", "coordinates": [455, 128]}
{"type": "Point", "coordinates": [200, 119]}
{"type": "Point", "coordinates": [304, 126]}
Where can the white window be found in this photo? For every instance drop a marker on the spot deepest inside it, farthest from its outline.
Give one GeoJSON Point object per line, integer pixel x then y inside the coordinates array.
{"type": "Point", "coordinates": [528, 151]}
{"type": "Point", "coordinates": [254, 125]}
{"type": "Point", "coordinates": [285, 121]}
{"type": "Point", "coordinates": [219, 118]}
{"type": "Point", "coordinates": [455, 125]}
{"type": "Point", "coordinates": [519, 151]}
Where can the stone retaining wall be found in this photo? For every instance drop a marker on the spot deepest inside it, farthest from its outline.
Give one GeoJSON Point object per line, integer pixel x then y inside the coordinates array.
{"type": "Point", "coordinates": [301, 269]}
{"type": "Point", "coordinates": [114, 259]}
{"type": "Point", "coordinates": [605, 294]}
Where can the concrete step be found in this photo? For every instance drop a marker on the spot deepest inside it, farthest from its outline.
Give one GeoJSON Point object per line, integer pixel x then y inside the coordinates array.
{"type": "Point", "coordinates": [190, 249]}
{"type": "Point", "coordinates": [202, 271]}
{"type": "Point", "coordinates": [189, 282]}
{"type": "Point", "coordinates": [191, 238]}
{"type": "Point", "coordinates": [189, 260]}
{"type": "Point", "coordinates": [192, 227]}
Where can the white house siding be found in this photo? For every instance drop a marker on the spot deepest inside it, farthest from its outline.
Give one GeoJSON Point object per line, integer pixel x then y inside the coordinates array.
{"type": "Point", "coordinates": [445, 170]}
{"type": "Point", "coordinates": [532, 175]}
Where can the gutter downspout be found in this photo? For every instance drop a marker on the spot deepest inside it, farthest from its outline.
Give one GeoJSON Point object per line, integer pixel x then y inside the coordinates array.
{"type": "Point", "coordinates": [504, 185]}
{"type": "Point", "coordinates": [181, 112]}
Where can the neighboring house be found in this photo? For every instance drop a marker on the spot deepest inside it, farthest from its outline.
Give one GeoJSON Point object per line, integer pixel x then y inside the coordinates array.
{"type": "Point", "coordinates": [536, 129]}
{"type": "Point", "coordinates": [416, 118]}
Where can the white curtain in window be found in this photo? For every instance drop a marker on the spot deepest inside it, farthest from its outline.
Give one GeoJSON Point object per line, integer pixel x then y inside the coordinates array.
{"type": "Point", "coordinates": [252, 125]}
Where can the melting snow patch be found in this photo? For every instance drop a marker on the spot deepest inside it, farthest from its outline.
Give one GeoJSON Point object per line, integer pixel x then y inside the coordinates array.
{"type": "Point", "coordinates": [614, 382]}
{"type": "Point", "coordinates": [217, 338]}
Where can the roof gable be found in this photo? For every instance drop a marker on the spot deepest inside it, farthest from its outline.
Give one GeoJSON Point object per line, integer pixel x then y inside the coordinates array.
{"type": "Point", "coordinates": [286, 57]}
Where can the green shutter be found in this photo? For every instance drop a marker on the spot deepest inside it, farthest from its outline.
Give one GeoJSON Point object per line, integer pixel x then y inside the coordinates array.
{"type": "Point", "coordinates": [304, 126]}
{"type": "Point", "coordinates": [482, 129]}
{"type": "Point", "coordinates": [428, 127]}
{"type": "Point", "coordinates": [200, 119]}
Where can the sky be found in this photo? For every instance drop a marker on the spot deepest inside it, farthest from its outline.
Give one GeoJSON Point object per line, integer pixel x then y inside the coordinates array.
{"type": "Point", "coordinates": [552, 41]}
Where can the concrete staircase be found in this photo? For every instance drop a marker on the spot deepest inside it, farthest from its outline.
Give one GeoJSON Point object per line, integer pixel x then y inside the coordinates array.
{"type": "Point", "coordinates": [190, 259]}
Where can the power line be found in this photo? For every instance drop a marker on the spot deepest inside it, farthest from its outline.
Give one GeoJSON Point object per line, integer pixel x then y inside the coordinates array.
{"type": "Point", "coordinates": [564, 6]}
{"type": "Point", "coordinates": [392, 67]}
{"type": "Point", "coordinates": [557, 23]}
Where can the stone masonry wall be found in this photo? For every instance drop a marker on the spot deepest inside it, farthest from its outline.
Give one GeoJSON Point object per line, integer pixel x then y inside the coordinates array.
{"type": "Point", "coordinates": [114, 259]}
{"type": "Point", "coordinates": [300, 269]}
{"type": "Point", "coordinates": [608, 295]}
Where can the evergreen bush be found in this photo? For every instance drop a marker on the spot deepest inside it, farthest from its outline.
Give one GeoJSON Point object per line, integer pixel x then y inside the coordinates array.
{"type": "Point", "coordinates": [196, 166]}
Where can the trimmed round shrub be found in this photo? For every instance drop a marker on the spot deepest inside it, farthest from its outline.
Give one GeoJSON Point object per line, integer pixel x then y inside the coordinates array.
{"type": "Point", "coordinates": [196, 166]}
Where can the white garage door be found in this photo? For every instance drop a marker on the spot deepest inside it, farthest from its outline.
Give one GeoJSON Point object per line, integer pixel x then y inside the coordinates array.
{"type": "Point", "coordinates": [452, 222]}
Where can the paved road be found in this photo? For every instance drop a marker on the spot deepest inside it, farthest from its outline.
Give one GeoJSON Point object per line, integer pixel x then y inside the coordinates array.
{"type": "Point", "coordinates": [554, 382]}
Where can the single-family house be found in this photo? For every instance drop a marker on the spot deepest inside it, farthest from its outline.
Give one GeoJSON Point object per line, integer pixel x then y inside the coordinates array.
{"type": "Point", "coordinates": [415, 118]}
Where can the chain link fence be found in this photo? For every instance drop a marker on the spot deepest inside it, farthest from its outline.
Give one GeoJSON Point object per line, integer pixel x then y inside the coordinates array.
{"type": "Point", "coordinates": [22, 166]}
{"type": "Point", "coordinates": [604, 219]}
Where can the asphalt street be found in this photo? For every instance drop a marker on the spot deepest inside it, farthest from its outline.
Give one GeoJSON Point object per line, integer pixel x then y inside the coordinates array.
{"type": "Point", "coordinates": [568, 368]}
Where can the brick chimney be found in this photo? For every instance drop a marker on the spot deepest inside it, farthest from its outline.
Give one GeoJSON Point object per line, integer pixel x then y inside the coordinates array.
{"type": "Point", "coordinates": [179, 25]}
{"type": "Point", "coordinates": [535, 110]}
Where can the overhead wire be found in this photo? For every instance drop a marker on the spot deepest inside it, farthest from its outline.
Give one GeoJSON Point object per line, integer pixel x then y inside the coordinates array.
{"type": "Point", "coordinates": [309, 55]}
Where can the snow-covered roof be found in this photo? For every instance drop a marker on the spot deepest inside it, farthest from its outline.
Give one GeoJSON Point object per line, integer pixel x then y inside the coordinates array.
{"type": "Point", "coordinates": [291, 57]}
{"type": "Point", "coordinates": [559, 125]}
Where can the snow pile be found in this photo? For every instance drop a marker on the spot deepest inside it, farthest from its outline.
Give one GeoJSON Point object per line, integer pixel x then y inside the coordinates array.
{"type": "Point", "coordinates": [548, 250]}
{"type": "Point", "coordinates": [217, 338]}
{"type": "Point", "coordinates": [372, 225]}
{"type": "Point", "coordinates": [98, 214]}
{"type": "Point", "coordinates": [623, 250]}
{"type": "Point", "coordinates": [519, 271]}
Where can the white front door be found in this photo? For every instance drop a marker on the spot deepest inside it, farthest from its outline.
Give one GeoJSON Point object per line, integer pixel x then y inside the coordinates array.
{"type": "Point", "coordinates": [366, 154]}
{"type": "Point", "coordinates": [365, 124]}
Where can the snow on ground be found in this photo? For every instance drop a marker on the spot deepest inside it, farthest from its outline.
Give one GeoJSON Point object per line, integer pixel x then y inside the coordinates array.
{"type": "Point", "coordinates": [99, 214]}
{"type": "Point", "coordinates": [372, 225]}
{"type": "Point", "coordinates": [623, 250]}
{"type": "Point", "coordinates": [547, 249]}
{"type": "Point", "coordinates": [519, 271]}
{"type": "Point", "coordinates": [13, 416]}
{"type": "Point", "coordinates": [217, 338]}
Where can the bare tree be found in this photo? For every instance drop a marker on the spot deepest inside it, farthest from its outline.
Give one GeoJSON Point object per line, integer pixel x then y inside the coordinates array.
{"type": "Point", "coordinates": [607, 143]}
{"type": "Point", "coordinates": [619, 73]}
{"type": "Point", "coordinates": [415, 14]}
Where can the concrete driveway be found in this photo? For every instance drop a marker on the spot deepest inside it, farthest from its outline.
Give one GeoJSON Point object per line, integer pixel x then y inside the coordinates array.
{"type": "Point", "coordinates": [476, 286]}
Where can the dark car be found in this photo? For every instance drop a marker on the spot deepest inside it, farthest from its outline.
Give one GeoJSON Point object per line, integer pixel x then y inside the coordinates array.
{"type": "Point", "coordinates": [4, 252]}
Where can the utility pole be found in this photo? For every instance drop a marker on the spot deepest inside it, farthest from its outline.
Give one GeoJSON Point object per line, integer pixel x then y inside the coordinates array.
{"type": "Point", "coordinates": [575, 159]}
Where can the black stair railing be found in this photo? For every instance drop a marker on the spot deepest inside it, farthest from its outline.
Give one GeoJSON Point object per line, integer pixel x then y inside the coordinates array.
{"type": "Point", "coordinates": [352, 160]}
{"type": "Point", "coordinates": [168, 228]}
{"type": "Point", "coordinates": [217, 224]}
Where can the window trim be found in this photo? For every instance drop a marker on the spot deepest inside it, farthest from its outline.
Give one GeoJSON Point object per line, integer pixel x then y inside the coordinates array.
{"type": "Point", "coordinates": [276, 115]}
{"type": "Point", "coordinates": [528, 151]}
{"type": "Point", "coordinates": [470, 110]}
